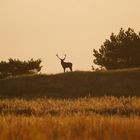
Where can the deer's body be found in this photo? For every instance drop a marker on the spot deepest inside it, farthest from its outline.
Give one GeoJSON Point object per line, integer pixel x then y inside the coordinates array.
{"type": "Point", "coordinates": [65, 64]}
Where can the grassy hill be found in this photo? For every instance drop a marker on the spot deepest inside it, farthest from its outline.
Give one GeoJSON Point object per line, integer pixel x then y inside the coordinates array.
{"type": "Point", "coordinates": [73, 85]}
{"type": "Point", "coordinates": [106, 117]}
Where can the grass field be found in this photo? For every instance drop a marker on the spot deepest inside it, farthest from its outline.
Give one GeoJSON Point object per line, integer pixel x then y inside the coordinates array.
{"type": "Point", "coordinates": [84, 118]}
{"type": "Point", "coordinates": [71, 106]}
{"type": "Point", "coordinates": [73, 85]}
{"type": "Point", "coordinates": [104, 118]}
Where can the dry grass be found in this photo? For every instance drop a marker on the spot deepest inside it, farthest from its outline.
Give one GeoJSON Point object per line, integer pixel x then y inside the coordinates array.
{"type": "Point", "coordinates": [77, 127]}
{"type": "Point", "coordinates": [105, 118]}
{"type": "Point", "coordinates": [107, 105]}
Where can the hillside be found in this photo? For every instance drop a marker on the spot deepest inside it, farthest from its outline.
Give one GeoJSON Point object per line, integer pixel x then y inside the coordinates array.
{"type": "Point", "coordinates": [73, 85]}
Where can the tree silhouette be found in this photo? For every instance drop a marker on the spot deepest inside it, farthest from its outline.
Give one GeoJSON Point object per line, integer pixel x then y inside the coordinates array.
{"type": "Point", "coordinates": [120, 51]}
{"type": "Point", "coordinates": [17, 67]}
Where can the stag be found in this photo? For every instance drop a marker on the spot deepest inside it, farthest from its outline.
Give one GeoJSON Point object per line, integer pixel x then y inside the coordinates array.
{"type": "Point", "coordinates": [65, 64]}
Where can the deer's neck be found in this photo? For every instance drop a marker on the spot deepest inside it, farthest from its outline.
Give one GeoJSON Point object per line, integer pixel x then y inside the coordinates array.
{"type": "Point", "coordinates": [62, 62]}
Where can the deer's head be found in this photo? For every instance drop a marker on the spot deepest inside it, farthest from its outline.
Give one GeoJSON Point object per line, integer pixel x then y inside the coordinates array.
{"type": "Point", "coordinates": [65, 64]}
{"type": "Point", "coordinates": [62, 60]}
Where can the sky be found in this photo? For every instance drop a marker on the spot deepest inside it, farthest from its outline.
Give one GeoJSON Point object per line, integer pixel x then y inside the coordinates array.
{"type": "Point", "coordinates": [44, 28]}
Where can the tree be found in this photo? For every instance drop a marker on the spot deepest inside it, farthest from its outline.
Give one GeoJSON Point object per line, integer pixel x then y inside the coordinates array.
{"type": "Point", "coordinates": [120, 51]}
{"type": "Point", "coordinates": [17, 67]}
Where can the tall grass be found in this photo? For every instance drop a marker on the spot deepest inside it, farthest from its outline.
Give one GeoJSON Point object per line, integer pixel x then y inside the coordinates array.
{"type": "Point", "coordinates": [79, 119]}
{"type": "Point", "coordinates": [78, 127]}
{"type": "Point", "coordinates": [56, 107]}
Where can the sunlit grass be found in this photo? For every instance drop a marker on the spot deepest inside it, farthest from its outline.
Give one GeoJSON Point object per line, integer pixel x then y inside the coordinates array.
{"type": "Point", "coordinates": [70, 127]}
{"type": "Point", "coordinates": [88, 118]}
{"type": "Point", "coordinates": [107, 105]}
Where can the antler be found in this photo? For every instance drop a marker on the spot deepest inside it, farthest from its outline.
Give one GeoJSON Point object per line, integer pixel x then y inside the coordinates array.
{"type": "Point", "coordinates": [58, 56]}
{"type": "Point", "coordinates": [64, 57]}
{"type": "Point", "coordinates": [61, 58]}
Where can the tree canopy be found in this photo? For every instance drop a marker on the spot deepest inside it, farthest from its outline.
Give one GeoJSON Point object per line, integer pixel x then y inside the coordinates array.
{"type": "Point", "coordinates": [120, 51]}
{"type": "Point", "coordinates": [17, 67]}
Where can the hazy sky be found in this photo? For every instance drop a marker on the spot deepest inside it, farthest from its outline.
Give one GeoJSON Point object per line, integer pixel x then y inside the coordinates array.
{"type": "Point", "coordinates": [42, 28]}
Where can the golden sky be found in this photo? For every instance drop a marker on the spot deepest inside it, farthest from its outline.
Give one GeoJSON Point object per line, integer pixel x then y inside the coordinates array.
{"type": "Point", "coordinates": [43, 28]}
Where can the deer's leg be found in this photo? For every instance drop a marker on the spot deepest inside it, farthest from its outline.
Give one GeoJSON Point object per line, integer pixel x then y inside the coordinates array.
{"type": "Point", "coordinates": [64, 69]}
{"type": "Point", "coordinates": [70, 68]}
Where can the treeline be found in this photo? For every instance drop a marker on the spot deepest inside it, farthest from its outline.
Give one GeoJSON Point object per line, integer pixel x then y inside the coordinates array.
{"type": "Point", "coordinates": [17, 67]}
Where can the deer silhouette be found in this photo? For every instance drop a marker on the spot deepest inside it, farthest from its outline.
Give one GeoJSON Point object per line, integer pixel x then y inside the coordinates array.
{"type": "Point", "coordinates": [65, 64]}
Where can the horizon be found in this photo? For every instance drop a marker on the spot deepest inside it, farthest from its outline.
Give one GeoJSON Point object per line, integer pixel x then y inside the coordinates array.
{"type": "Point", "coordinates": [41, 29]}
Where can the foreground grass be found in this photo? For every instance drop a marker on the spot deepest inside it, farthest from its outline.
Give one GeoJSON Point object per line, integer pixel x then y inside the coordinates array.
{"type": "Point", "coordinates": [77, 127]}
{"type": "Point", "coordinates": [104, 118]}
